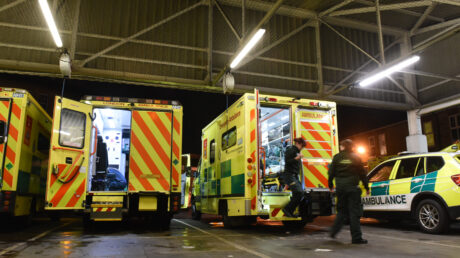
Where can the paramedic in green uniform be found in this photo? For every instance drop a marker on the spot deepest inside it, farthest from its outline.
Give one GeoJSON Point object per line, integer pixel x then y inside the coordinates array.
{"type": "Point", "coordinates": [347, 169]}
{"type": "Point", "coordinates": [293, 162]}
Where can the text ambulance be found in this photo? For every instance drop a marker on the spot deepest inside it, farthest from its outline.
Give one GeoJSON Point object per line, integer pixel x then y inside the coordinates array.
{"type": "Point", "coordinates": [115, 157]}
{"type": "Point", "coordinates": [243, 158]}
{"type": "Point", "coordinates": [25, 130]}
{"type": "Point", "coordinates": [424, 186]}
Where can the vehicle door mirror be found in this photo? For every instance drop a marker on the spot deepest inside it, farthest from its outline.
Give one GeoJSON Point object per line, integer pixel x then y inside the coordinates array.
{"type": "Point", "coordinates": [2, 132]}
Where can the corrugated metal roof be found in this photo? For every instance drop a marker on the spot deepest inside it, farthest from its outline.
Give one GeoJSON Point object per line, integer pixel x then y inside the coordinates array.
{"type": "Point", "coordinates": [176, 49]}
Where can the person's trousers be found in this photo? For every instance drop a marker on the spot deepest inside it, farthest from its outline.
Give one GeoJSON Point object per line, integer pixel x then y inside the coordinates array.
{"type": "Point", "coordinates": [348, 205]}
{"type": "Point", "coordinates": [294, 185]}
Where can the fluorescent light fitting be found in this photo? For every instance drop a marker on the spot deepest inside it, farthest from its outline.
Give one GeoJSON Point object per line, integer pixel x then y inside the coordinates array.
{"type": "Point", "coordinates": [50, 21]}
{"type": "Point", "coordinates": [397, 67]}
{"type": "Point", "coordinates": [247, 48]}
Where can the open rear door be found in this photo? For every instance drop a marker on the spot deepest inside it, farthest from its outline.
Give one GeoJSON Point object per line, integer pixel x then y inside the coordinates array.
{"type": "Point", "coordinates": [150, 164]}
{"type": "Point", "coordinates": [317, 128]}
{"type": "Point", "coordinates": [69, 155]}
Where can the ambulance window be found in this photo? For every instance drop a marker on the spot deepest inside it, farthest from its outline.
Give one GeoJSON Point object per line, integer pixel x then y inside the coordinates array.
{"type": "Point", "coordinates": [212, 151]}
{"type": "Point", "coordinates": [229, 138]}
{"type": "Point", "coordinates": [434, 164]}
{"type": "Point", "coordinates": [420, 168]}
{"type": "Point", "coordinates": [72, 131]}
{"type": "Point", "coordinates": [382, 172]}
{"type": "Point", "coordinates": [407, 168]}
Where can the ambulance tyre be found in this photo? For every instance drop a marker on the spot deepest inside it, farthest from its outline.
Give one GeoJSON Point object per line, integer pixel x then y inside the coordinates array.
{"type": "Point", "coordinates": [196, 214]}
{"type": "Point", "coordinates": [88, 223]}
{"type": "Point", "coordinates": [431, 217]}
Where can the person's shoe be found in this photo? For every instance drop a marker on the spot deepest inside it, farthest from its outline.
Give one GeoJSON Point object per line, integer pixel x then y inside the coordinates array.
{"type": "Point", "coordinates": [288, 213]}
{"type": "Point", "coordinates": [332, 234]}
{"type": "Point", "coordinates": [359, 241]}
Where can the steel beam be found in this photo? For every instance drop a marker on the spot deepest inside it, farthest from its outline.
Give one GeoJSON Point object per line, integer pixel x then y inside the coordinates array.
{"type": "Point", "coordinates": [403, 11]}
{"type": "Point", "coordinates": [451, 2]}
{"type": "Point", "coordinates": [350, 42]}
{"type": "Point", "coordinates": [73, 40]}
{"type": "Point", "coordinates": [243, 18]}
{"type": "Point", "coordinates": [407, 92]}
{"type": "Point", "coordinates": [276, 43]}
{"type": "Point", "coordinates": [379, 33]}
{"type": "Point", "coordinates": [210, 35]}
{"type": "Point", "coordinates": [335, 7]}
{"type": "Point", "coordinates": [341, 82]}
{"type": "Point", "coordinates": [428, 74]}
{"type": "Point", "coordinates": [387, 7]}
{"type": "Point", "coordinates": [319, 62]}
{"type": "Point", "coordinates": [10, 5]}
{"type": "Point", "coordinates": [422, 18]}
{"type": "Point", "coordinates": [262, 22]}
{"type": "Point", "coordinates": [436, 38]}
{"type": "Point", "coordinates": [227, 20]}
{"type": "Point", "coordinates": [434, 85]}
{"type": "Point", "coordinates": [274, 76]}
{"type": "Point", "coordinates": [307, 14]}
{"type": "Point", "coordinates": [438, 26]}
{"type": "Point", "coordinates": [141, 32]}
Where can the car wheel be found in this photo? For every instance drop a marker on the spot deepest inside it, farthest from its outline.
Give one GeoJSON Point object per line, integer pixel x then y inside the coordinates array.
{"type": "Point", "coordinates": [431, 217]}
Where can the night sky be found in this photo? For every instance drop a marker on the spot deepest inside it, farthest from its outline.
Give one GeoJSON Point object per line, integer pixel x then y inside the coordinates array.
{"type": "Point", "coordinates": [200, 108]}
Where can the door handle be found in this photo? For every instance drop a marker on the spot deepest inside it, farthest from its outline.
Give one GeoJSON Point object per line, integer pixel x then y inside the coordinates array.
{"type": "Point", "coordinates": [417, 180]}
{"type": "Point", "coordinates": [383, 185]}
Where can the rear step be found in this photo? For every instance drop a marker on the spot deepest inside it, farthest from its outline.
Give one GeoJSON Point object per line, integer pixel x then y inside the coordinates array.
{"type": "Point", "coordinates": [106, 208]}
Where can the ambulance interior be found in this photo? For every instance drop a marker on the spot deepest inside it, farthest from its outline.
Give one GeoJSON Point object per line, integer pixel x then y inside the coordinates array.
{"type": "Point", "coordinates": [275, 134]}
{"type": "Point", "coordinates": [110, 164]}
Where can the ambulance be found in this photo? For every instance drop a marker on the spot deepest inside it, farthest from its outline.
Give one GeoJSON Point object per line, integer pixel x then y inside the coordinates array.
{"type": "Point", "coordinates": [25, 130]}
{"type": "Point", "coordinates": [421, 186]}
{"type": "Point", "coordinates": [243, 159]}
{"type": "Point", "coordinates": [112, 158]}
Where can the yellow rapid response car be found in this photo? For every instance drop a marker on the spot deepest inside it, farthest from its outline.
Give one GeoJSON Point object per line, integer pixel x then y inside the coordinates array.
{"type": "Point", "coordinates": [424, 186]}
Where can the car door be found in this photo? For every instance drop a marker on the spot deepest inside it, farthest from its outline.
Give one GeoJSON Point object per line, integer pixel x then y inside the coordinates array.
{"type": "Point", "coordinates": [379, 182]}
{"type": "Point", "coordinates": [400, 196]}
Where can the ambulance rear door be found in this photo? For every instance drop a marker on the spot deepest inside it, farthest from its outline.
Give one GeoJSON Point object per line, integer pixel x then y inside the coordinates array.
{"type": "Point", "coordinates": [151, 161]}
{"type": "Point", "coordinates": [69, 154]}
{"type": "Point", "coordinates": [317, 127]}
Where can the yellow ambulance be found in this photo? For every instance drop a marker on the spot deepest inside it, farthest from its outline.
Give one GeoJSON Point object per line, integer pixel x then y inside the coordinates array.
{"type": "Point", "coordinates": [116, 157]}
{"type": "Point", "coordinates": [240, 174]}
{"type": "Point", "coordinates": [425, 187]}
{"type": "Point", "coordinates": [25, 130]}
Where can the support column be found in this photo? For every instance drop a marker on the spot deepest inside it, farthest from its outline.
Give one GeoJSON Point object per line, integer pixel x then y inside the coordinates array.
{"type": "Point", "coordinates": [409, 79]}
{"type": "Point", "coordinates": [416, 141]}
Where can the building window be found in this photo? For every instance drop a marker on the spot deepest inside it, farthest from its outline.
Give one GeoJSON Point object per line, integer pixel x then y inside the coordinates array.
{"type": "Point", "coordinates": [382, 144]}
{"type": "Point", "coordinates": [372, 151]}
{"type": "Point", "coordinates": [454, 122]}
{"type": "Point", "coordinates": [428, 131]}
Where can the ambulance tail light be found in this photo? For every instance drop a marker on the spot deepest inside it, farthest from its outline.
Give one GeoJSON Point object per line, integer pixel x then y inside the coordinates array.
{"type": "Point", "coordinates": [249, 160]}
{"type": "Point", "coordinates": [250, 181]}
{"type": "Point", "coordinates": [272, 99]}
{"type": "Point", "coordinates": [456, 179]}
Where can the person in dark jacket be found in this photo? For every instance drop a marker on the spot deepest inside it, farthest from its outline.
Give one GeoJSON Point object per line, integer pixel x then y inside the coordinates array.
{"type": "Point", "coordinates": [347, 170]}
{"type": "Point", "coordinates": [293, 162]}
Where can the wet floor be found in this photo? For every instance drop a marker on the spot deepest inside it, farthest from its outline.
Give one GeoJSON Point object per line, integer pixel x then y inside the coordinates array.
{"type": "Point", "coordinates": [208, 238]}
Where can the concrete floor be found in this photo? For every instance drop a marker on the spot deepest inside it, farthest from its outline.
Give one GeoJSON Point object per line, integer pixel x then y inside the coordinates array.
{"type": "Point", "coordinates": [208, 238]}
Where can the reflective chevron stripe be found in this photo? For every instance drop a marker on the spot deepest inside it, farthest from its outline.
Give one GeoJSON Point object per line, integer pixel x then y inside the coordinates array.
{"type": "Point", "coordinates": [150, 162]}
{"type": "Point", "coordinates": [8, 150]}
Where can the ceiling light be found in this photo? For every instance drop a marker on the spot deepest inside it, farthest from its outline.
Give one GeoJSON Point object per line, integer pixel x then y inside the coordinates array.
{"type": "Point", "coordinates": [394, 68]}
{"type": "Point", "coordinates": [247, 48]}
{"type": "Point", "coordinates": [50, 21]}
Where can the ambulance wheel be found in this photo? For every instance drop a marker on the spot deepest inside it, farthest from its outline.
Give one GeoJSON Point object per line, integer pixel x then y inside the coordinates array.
{"type": "Point", "coordinates": [431, 217]}
{"type": "Point", "coordinates": [196, 214]}
{"type": "Point", "coordinates": [88, 223]}
{"type": "Point", "coordinates": [295, 225]}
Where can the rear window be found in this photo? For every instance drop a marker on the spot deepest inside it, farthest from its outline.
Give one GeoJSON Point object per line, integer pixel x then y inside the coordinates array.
{"type": "Point", "coordinates": [72, 131]}
{"type": "Point", "coordinates": [434, 164]}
